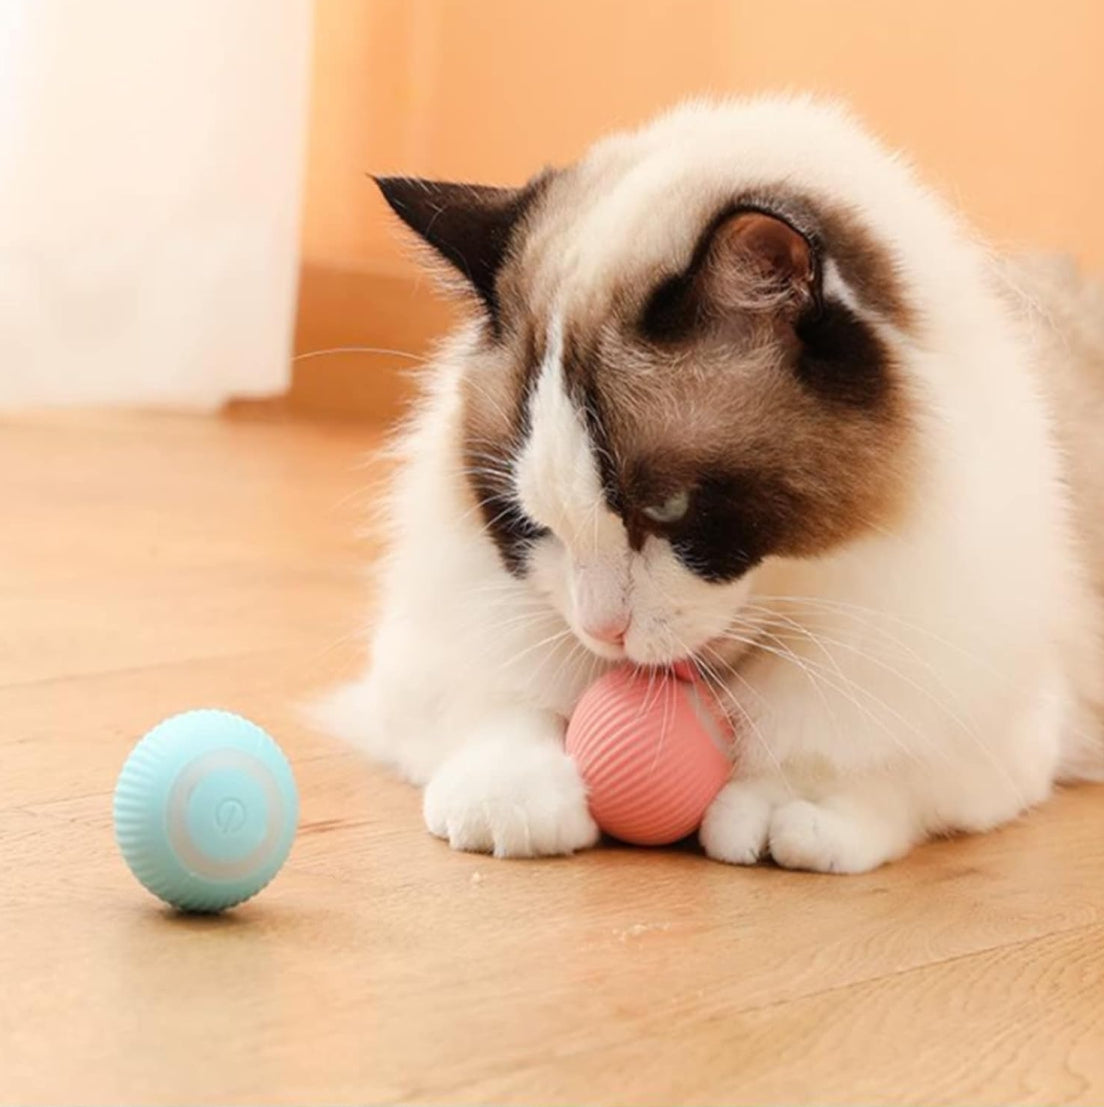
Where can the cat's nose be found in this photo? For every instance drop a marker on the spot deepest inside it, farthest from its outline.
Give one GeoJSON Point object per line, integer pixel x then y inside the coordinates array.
{"type": "Point", "coordinates": [611, 631]}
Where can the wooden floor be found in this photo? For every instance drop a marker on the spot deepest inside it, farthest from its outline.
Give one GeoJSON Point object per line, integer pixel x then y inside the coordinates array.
{"type": "Point", "coordinates": [150, 564]}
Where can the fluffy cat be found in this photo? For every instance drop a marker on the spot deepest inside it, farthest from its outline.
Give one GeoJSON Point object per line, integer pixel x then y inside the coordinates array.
{"type": "Point", "coordinates": [740, 390]}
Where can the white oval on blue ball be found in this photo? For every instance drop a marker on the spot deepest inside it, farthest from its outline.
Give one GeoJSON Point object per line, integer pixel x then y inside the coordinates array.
{"type": "Point", "coordinates": [205, 810]}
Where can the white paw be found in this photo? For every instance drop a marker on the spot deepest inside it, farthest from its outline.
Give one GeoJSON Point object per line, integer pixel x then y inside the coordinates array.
{"type": "Point", "coordinates": [806, 835]}
{"type": "Point", "coordinates": [512, 799]}
{"type": "Point", "coordinates": [736, 825]}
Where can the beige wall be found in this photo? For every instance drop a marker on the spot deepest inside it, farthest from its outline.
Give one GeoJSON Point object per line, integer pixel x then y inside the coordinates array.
{"type": "Point", "coordinates": [1000, 103]}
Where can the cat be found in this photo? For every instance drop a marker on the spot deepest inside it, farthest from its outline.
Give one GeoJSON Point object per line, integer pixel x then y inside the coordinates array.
{"type": "Point", "coordinates": [738, 389]}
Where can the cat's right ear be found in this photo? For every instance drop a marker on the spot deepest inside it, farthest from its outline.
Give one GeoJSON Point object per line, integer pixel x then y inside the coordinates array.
{"type": "Point", "coordinates": [470, 226]}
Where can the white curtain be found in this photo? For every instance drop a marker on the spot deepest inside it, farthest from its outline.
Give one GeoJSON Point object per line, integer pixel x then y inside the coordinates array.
{"type": "Point", "coordinates": [150, 170]}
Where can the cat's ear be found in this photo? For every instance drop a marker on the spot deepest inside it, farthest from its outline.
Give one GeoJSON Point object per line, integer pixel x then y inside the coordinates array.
{"type": "Point", "coordinates": [749, 261]}
{"type": "Point", "coordinates": [754, 257]}
{"type": "Point", "coordinates": [470, 226]}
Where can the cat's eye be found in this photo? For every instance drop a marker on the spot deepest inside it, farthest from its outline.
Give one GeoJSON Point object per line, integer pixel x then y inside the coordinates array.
{"type": "Point", "coordinates": [671, 510]}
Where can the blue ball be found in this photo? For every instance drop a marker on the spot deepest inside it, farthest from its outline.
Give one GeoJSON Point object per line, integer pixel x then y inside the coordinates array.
{"type": "Point", "coordinates": [205, 810]}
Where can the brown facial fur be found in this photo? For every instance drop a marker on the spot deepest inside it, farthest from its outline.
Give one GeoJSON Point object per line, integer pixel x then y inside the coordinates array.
{"type": "Point", "coordinates": [790, 427]}
{"type": "Point", "coordinates": [494, 427]}
{"type": "Point", "coordinates": [773, 466]}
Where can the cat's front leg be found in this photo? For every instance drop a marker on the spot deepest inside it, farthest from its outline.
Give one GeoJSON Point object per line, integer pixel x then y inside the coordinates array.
{"type": "Point", "coordinates": [511, 790]}
{"type": "Point", "coordinates": [850, 827]}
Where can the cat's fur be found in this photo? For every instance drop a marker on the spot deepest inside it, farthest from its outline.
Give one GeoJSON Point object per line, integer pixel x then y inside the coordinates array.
{"type": "Point", "coordinates": [889, 451]}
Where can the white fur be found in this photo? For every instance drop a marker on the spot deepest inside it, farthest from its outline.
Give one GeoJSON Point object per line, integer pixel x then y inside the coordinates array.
{"type": "Point", "coordinates": [944, 672]}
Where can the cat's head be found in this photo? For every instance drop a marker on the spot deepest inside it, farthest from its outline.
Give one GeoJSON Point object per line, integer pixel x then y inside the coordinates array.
{"type": "Point", "coordinates": [686, 365]}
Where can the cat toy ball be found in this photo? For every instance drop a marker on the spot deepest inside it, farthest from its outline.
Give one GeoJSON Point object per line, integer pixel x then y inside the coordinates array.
{"type": "Point", "coordinates": [205, 810]}
{"type": "Point", "coordinates": [653, 749]}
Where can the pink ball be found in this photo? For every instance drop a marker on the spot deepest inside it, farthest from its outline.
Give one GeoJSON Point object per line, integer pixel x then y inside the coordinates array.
{"type": "Point", "coordinates": [653, 750]}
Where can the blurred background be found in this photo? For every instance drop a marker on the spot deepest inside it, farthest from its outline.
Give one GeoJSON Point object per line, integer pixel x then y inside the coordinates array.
{"type": "Point", "coordinates": [183, 199]}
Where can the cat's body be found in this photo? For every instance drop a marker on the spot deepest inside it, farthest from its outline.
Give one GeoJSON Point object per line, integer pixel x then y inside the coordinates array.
{"type": "Point", "coordinates": [743, 391]}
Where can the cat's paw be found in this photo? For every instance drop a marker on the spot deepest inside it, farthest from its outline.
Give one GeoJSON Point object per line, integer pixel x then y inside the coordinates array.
{"type": "Point", "coordinates": [516, 799]}
{"type": "Point", "coordinates": [737, 824]}
{"type": "Point", "coordinates": [815, 837]}
{"type": "Point", "coordinates": [750, 819]}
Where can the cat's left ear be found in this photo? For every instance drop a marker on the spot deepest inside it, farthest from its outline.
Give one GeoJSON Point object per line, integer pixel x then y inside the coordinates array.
{"type": "Point", "coordinates": [758, 255]}
{"type": "Point", "coordinates": [748, 260]}
{"type": "Point", "coordinates": [470, 226]}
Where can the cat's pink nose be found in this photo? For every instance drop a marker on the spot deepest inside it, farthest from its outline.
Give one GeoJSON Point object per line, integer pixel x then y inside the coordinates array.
{"type": "Point", "coordinates": [610, 631]}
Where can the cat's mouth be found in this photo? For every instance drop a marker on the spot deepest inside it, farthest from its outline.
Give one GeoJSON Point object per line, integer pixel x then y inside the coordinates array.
{"type": "Point", "coordinates": [607, 650]}
{"type": "Point", "coordinates": [649, 653]}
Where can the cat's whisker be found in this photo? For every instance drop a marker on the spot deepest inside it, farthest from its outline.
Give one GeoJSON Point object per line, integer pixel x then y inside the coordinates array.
{"type": "Point", "coordinates": [822, 641]}
{"type": "Point", "coordinates": [369, 494]}
{"type": "Point", "coordinates": [361, 636]}
{"type": "Point", "coordinates": [554, 649]}
{"type": "Point", "coordinates": [966, 728]}
{"type": "Point", "coordinates": [376, 350]}
{"type": "Point", "coordinates": [752, 637]}
{"type": "Point", "coordinates": [488, 397]}
{"type": "Point", "coordinates": [494, 601]}
{"type": "Point", "coordinates": [968, 731]}
{"type": "Point", "coordinates": [525, 621]}
{"type": "Point", "coordinates": [813, 671]}
{"type": "Point", "coordinates": [813, 638]}
{"type": "Point", "coordinates": [668, 693]}
{"type": "Point", "coordinates": [720, 685]}
{"type": "Point", "coordinates": [859, 611]}
{"type": "Point", "coordinates": [491, 461]}
{"type": "Point", "coordinates": [488, 527]}
{"type": "Point", "coordinates": [847, 690]}
{"type": "Point", "coordinates": [537, 645]}
{"type": "Point", "coordinates": [505, 592]}
{"type": "Point", "coordinates": [653, 673]}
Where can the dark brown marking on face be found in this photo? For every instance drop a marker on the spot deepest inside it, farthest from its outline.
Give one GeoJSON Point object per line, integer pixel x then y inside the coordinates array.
{"type": "Point", "coordinates": [781, 414]}
{"type": "Point", "coordinates": [737, 518]}
{"type": "Point", "coordinates": [494, 428]}
{"type": "Point", "coordinates": [511, 530]}
{"type": "Point", "coordinates": [842, 359]}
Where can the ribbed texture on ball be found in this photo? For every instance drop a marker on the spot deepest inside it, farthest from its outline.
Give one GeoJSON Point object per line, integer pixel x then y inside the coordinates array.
{"type": "Point", "coordinates": [156, 828]}
{"type": "Point", "coordinates": [653, 751]}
